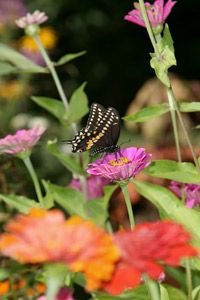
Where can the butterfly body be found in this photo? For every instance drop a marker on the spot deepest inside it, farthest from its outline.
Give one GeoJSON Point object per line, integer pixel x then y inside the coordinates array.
{"type": "Point", "coordinates": [101, 132]}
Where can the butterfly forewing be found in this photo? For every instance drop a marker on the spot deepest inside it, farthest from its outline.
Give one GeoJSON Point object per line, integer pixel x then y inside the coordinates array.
{"type": "Point", "coordinates": [97, 112]}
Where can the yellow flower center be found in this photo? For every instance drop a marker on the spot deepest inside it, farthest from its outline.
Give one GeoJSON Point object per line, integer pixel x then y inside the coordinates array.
{"type": "Point", "coordinates": [119, 162]}
{"type": "Point", "coordinates": [48, 38]}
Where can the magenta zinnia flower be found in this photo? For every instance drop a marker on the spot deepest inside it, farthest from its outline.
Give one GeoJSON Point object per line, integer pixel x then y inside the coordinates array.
{"type": "Point", "coordinates": [156, 12]}
{"type": "Point", "coordinates": [191, 191]}
{"type": "Point", "coordinates": [120, 165]}
{"type": "Point", "coordinates": [37, 17]}
{"type": "Point", "coordinates": [95, 185]}
{"type": "Point", "coordinates": [63, 294]}
{"type": "Point", "coordinates": [22, 141]}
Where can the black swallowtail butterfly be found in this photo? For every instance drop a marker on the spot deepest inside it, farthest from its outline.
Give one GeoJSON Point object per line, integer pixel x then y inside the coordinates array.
{"type": "Point", "coordinates": [101, 132]}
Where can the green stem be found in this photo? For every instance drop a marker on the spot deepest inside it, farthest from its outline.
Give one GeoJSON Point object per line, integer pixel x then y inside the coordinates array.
{"type": "Point", "coordinates": [148, 27]}
{"type": "Point", "coordinates": [109, 227]}
{"type": "Point", "coordinates": [189, 279]}
{"type": "Point", "coordinates": [184, 129]}
{"type": "Point", "coordinates": [125, 191]}
{"type": "Point", "coordinates": [31, 170]}
{"type": "Point", "coordinates": [54, 74]}
{"type": "Point", "coordinates": [152, 288]}
{"type": "Point", "coordinates": [84, 188]}
{"type": "Point", "coordinates": [172, 106]}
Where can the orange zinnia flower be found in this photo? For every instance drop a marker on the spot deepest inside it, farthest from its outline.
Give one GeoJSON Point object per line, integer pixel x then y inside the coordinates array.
{"type": "Point", "coordinates": [45, 236]}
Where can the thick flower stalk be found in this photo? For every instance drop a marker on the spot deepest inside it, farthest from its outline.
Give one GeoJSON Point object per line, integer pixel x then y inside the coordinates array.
{"type": "Point", "coordinates": [80, 244]}
{"type": "Point", "coordinates": [95, 185]}
{"type": "Point", "coordinates": [121, 165]}
{"type": "Point", "coordinates": [157, 13]}
{"type": "Point", "coordinates": [145, 249]}
{"type": "Point", "coordinates": [191, 192]}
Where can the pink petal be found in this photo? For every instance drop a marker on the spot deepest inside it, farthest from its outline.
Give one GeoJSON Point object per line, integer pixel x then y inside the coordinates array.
{"type": "Point", "coordinates": [167, 9]}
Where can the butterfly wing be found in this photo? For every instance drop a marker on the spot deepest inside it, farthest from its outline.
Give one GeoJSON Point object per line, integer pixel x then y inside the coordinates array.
{"type": "Point", "coordinates": [108, 131]}
{"type": "Point", "coordinates": [82, 140]}
{"type": "Point", "coordinates": [97, 112]}
{"type": "Point", "coordinates": [101, 132]}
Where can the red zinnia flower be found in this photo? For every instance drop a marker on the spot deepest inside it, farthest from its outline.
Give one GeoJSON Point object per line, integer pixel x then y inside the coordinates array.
{"type": "Point", "coordinates": [144, 249]}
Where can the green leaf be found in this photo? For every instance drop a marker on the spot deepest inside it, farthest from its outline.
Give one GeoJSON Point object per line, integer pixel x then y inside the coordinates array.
{"type": "Point", "coordinates": [78, 105]}
{"type": "Point", "coordinates": [54, 106]}
{"type": "Point", "coordinates": [6, 68]}
{"type": "Point", "coordinates": [7, 54]}
{"type": "Point", "coordinates": [68, 57]}
{"type": "Point", "coordinates": [21, 203]}
{"type": "Point", "coordinates": [189, 107]}
{"type": "Point", "coordinates": [139, 293]}
{"type": "Point", "coordinates": [148, 113]}
{"type": "Point", "coordinates": [174, 293]}
{"type": "Point", "coordinates": [163, 293]}
{"type": "Point", "coordinates": [67, 160]}
{"type": "Point", "coordinates": [70, 199]}
{"type": "Point", "coordinates": [169, 169]}
{"type": "Point", "coordinates": [4, 273]}
{"type": "Point", "coordinates": [98, 208]}
{"type": "Point", "coordinates": [196, 293]}
{"type": "Point", "coordinates": [162, 63]}
{"type": "Point", "coordinates": [166, 201]}
{"type": "Point", "coordinates": [54, 275]}
{"type": "Point", "coordinates": [48, 199]}
{"type": "Point", "coordinates": [179, 275]}
{"type": "Point", "coordinates": [167, 38]}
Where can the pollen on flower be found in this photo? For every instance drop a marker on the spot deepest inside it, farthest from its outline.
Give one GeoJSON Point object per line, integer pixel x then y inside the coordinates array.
{"type": "Point", "coordinates": [119, 162]}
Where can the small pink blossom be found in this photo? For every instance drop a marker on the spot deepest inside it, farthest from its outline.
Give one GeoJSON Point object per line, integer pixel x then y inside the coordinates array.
{"type": "Point", "coordinates": [156, 12]}
{"type": "Point", "coordinates": [63, 294]}
{"type": "Point", "coordinates": [23, 140]}
{"type": "Point", "coordinates": [121, 165]}
{"type": "Point", "coordinates": [191, 192]}
{"type": "Point", "coordinates": [37, 17]}
{"type": "Point", "coordinates": [95, 185]}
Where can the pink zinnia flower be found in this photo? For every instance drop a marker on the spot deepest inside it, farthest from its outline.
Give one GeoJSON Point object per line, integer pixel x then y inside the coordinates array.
{"type": "Point", "coordinates": [95, 185]}
{"type": "Point", "coordinates": [120, 165]}
{"type": "Point", "coordinates": [156, 12]}
{"type": "Point", "coordinates": [145, 249]}
{"type": "Point", "coordinates": [63, 294]}
{"type": "Point", "coordinates": [10, 10]}
{"type": "Point", "coordinates": [191, 191]}
{"type": "Point", "coordinates": [37, 17]}
{"type": "Point", "coordinates": [36, 57]}
{"type": "Point", "coordinates": [22, 141]}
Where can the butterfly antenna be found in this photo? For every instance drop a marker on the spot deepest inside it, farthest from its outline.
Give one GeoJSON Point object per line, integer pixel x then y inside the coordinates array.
{"type": "Point", "coordinates": [66, 142]}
